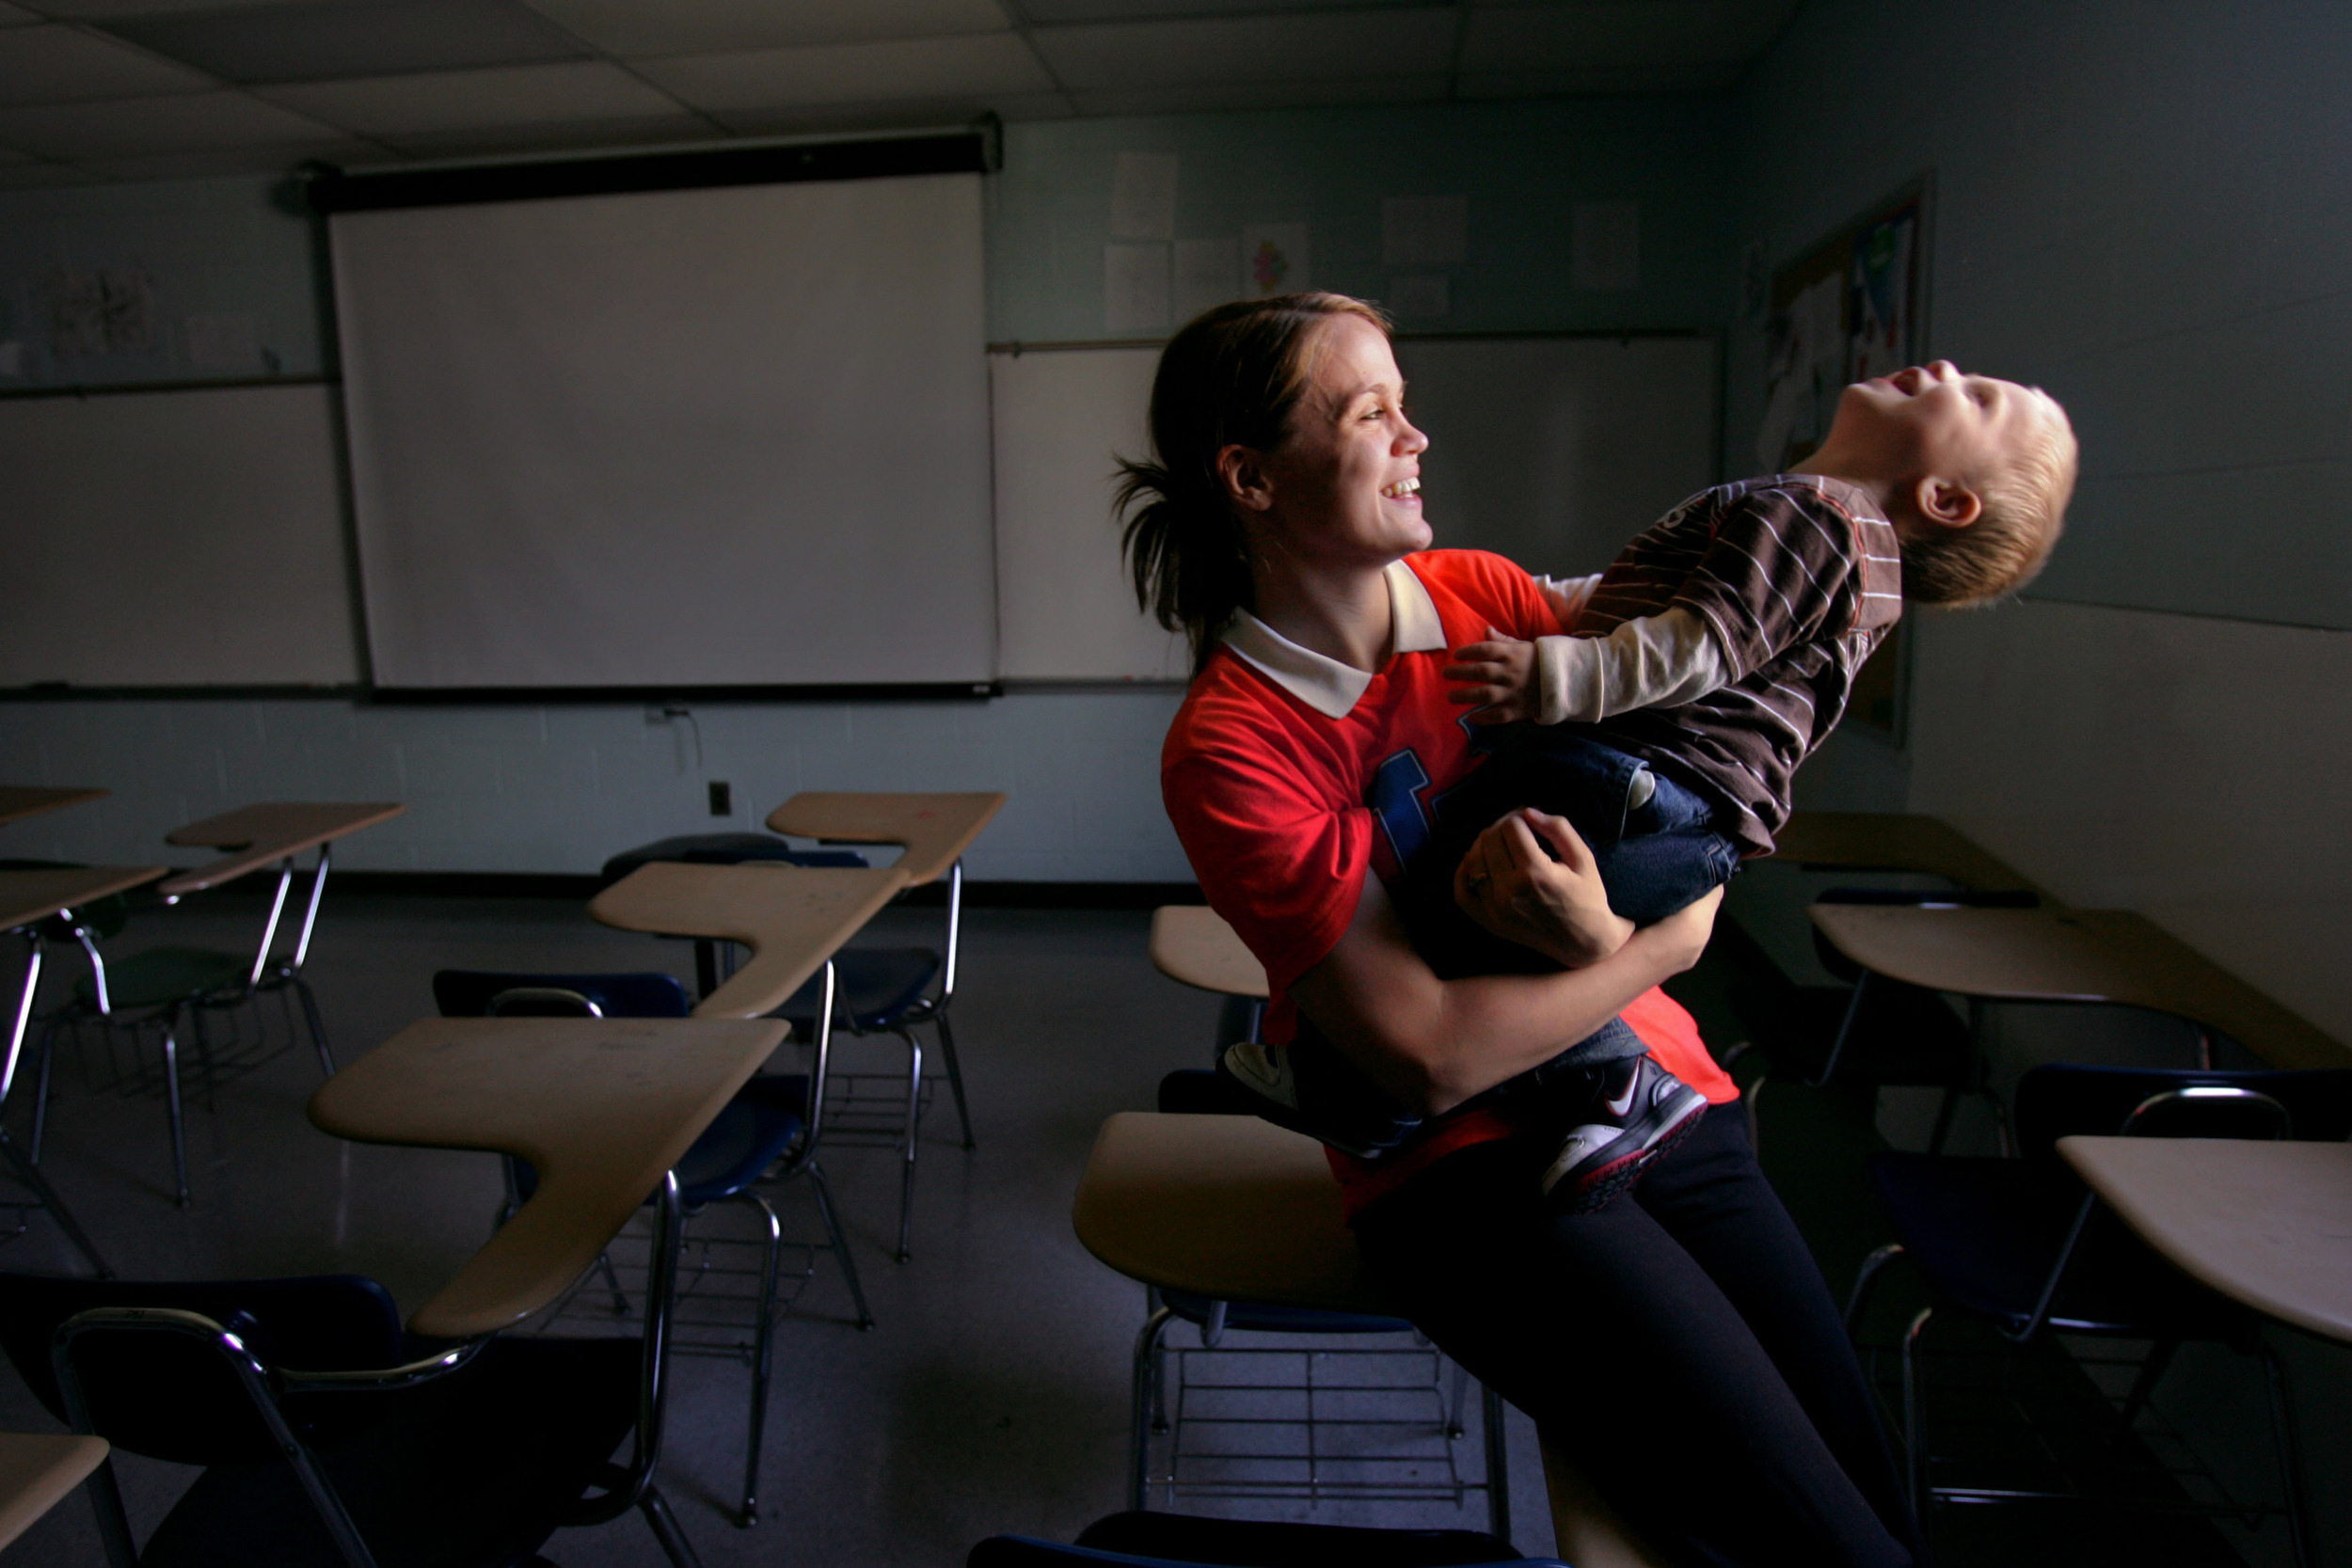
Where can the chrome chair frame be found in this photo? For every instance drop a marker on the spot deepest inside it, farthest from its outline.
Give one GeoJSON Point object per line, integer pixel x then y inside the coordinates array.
{"type": "Point", "coordinates": [631, 1486]}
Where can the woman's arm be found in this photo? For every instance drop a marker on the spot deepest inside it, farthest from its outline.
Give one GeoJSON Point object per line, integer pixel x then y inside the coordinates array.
{"type": "Point", "coordinates": [1433, 1043]}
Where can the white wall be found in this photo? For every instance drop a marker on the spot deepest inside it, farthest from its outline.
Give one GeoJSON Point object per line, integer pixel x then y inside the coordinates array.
{"type": "Point", "coordinates": [557, 788]}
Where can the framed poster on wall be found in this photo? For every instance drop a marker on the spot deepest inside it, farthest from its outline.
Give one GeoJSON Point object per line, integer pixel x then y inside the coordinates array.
{"type": "Point", "coordinates": [1852, 307]}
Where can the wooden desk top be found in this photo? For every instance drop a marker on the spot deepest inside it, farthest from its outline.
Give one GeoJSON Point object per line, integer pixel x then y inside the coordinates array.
{"type": "Point", "coordinates": [792, 917]}
{"type": "Point", "coordinates": [1227, 1207]}
{"type": "Point", "coordinates": [2265, 1223]}
{"type": "Point", "coordinates": [935, 829]}
{"type": "Point", "coordinates": [37, 1471]}
{"type": "Point", "coordinates": [1191, 942]}
{"type": "Point", "coordinates": [22, 801]}
{"type": "Point", "coordinates": [1895, 841]}
{"type": "Point", "coordinates": [2057, 955]}
{"type": "Point", "coordinates": [599, 1106]}
{"type": "Point", "coordinates": [267, 833]}
{"type": "Point", "coordinates": [28, 897]}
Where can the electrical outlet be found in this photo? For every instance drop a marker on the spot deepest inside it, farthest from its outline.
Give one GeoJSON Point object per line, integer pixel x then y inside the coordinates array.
{"type": "Point", "coordinates": [722, 799]}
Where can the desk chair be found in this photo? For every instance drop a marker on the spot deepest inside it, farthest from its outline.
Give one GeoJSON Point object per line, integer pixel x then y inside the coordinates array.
{"type": "Point", "coordinates": [769, 1126]}
{"type": "Point", "coordinates": [1870, 1032]}
{"type": "Point", "coordinates": [404, 1453]}
{"type": "Point", "coordinates": [2022, 1244]}
{"type": "Point", "coordinates": [880, 991]}
{"type": "Point", "coordinates": [164, 987]}
{"type": "Point", "coordinates": [1135, 1540]}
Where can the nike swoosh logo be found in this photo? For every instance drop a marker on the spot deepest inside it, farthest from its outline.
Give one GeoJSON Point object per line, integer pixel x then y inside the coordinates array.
{"type": "Point", "coordinates": [1623, 1102]}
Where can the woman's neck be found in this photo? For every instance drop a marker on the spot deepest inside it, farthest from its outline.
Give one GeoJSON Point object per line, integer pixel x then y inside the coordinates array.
{"type": "Point", "coordinates": [1341, 614]}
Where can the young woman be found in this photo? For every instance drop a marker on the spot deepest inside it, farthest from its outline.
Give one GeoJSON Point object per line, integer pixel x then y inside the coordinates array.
{"type": "Point", "coordinates": [1679, 1342]}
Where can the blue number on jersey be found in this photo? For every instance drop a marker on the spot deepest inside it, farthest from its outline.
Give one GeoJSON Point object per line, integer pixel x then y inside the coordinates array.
{"type": "Point", "coordinates": [1396, 787]}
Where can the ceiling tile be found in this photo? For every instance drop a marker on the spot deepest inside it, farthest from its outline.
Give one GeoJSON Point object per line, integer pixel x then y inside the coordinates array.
{"type": "Point", "coordinates": [476, 99]}
{"type": "Point", "coordinates": [896, 114]}
{"type": "Point", "coordinates": [228, 160]}
{"type": "Point", "coordinates": [22, 176]}
{"type": "Point", "coordinates": [853, 72]}
{"type": "Point", "coordinates": [136, 127]}
{"type": "Point", "coordinates": [634, 27]}
{"type": "Point", "coordinates": [1595, 39]}
{"type": "Point", "coordinates": [11, 16]}
{"type": "Point", "coordinates": [1639, 76]}
{"type": "Point", "coordinates": [91, 11]}
{"type": "Point", "coordinates": [1048, 11]}
{"type": "Point", "coordinates": [570, 136]}
{"type": "Point", "coordinates": [57, 65]}
{"type": "Point", "coordinates": [10, 156]}
{"type": "Point", "coordinates": [1142, 55]}
{"type": "Point", "coordinates": [316, 42]}
{"type": "Point", "coordinates": [1209, 96]}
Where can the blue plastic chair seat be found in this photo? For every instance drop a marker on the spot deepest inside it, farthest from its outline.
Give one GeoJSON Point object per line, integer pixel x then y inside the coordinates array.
{"type": "Point", "coordinates": [748, 1135]}
{"type": "Point", "coordinates": [163, 975]}
{"type": "Point", "coordinates": [723, 849]}
{"type": "Point", "coordinates": [877, 986]}
{"type": "Point", "coordinates": [1986, 1232]}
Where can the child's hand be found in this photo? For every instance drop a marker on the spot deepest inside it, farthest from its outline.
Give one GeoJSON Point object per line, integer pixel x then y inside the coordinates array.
{"type": "Point", "coordinates": [1501, 673]}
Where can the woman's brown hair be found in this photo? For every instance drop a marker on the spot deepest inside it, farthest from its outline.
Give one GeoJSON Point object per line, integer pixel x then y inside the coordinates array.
{"type": "Point", "coordinates": [1232, 377]}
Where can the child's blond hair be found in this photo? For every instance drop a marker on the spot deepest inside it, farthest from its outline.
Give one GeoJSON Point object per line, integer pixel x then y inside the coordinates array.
{"type": "Point", "coordinates": [2024, 512]}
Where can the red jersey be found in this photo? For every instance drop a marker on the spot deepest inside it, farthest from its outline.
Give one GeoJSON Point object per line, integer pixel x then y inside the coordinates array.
{"type": "Point", "coordinates": [1289, 775]}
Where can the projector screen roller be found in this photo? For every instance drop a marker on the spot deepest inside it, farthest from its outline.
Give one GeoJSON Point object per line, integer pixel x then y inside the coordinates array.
{"type": "Point", "coordinates": [733, 437]}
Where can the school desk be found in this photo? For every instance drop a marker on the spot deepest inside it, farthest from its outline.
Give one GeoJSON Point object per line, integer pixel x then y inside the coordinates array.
{"type": "Point", "coordinates": [601, 1108]}
{"type": "Point", "coordinates": [2269, 1224]}
{"type": "Point", "coordinates": [1236, 1209]}
{"type": "Point", "coordinates": [2082, 956]}
{"type": "Point", "coordinates": [1192, 943]}
{"type": "Point", "coordinates": [38, 1470]}
{"type": "Point", "coordinates": [21, 800]}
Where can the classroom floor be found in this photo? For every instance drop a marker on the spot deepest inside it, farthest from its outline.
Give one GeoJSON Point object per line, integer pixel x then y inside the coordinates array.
{"type": "Point", "coordinates": [990, 1397]}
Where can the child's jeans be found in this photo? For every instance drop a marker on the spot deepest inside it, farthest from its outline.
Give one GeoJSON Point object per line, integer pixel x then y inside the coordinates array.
{"type": "Point", "coordinates": [1654, 858]}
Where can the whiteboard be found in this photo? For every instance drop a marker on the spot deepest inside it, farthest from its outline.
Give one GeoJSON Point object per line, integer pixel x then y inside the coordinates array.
{"type": "Point", "coordinates": [1553, 451]}
{"type": "Point", "coordinates": [175, 538]}
{"type": "Point", "coordinates": [728, 436]}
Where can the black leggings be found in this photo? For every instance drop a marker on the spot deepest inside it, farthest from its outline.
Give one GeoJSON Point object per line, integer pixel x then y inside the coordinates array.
{"type": "Point", "coordinates": [1679, 1344]}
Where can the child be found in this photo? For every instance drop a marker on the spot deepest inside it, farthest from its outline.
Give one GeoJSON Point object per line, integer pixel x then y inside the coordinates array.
{"type": "Point", "coordinates": [1707, 662]}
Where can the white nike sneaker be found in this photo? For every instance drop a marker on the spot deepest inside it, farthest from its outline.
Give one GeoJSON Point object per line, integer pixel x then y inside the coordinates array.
{"type": "Point", "coordinates": [1640, 1112]}
{"type": "Point", "coordinates": [1263, 1069]}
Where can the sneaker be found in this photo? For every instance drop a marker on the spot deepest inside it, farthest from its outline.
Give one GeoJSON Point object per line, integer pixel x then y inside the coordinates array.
{"type": "Point", "coordinates": [1266, 1081]}
{"type": "Point", "coordinates": [1640, 1112]}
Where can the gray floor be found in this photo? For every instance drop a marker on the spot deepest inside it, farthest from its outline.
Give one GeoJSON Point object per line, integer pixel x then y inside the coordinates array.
{"type": "Point", "coordinates": [990, 1397]}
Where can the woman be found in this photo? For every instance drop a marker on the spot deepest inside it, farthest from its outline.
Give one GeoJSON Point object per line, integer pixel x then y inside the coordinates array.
{"type": "Point", "coordinates": [1680, 1343]}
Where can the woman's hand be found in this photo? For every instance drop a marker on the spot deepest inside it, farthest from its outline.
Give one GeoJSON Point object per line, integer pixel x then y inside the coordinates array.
{"type": "Point", "coordinates": [1508, 884]}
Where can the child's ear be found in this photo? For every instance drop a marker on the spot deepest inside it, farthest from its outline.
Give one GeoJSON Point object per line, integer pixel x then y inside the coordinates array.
{"type": "Point", "coordinates": [1947, 503]}
{"type": "Point", "coordinates": [1247, 482]}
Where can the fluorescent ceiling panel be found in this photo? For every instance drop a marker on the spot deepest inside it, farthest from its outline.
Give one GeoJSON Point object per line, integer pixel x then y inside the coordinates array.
{"type": "Point", "coordinates": [1144, 55]}
{"type": "Point", "coordinates": [635, 28]}
{"type": "Point", "coordinates": [853, 72]}
{"type": "Point", "coordinates": [572, 90]}
{"type": "Point", "coordinates": [316, 42]}
{"type": "Point", "coordinates": [674, 438]}
{"type": "Point", "coordinates": [188, 122]}
{"type": "Point", "coordinates": [58, 65]}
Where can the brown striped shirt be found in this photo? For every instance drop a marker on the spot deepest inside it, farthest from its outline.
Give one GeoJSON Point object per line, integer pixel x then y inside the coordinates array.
{"type": "Point", "coordinates": [1799, 578]}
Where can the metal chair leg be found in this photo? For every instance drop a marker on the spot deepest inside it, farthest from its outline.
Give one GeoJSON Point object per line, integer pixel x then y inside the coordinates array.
{"type": "Point", "coordinates": [1864, 1278]}
{"type": "Point", "coordinates": [763, 1360]}
{"type": "Point", "coordinates": [172, 1105]}
{"type": "Point", "coordinates": [30, 1174]}
{"type": "Point", "coordinates": [906, 1174]}
{"type": "Point", "coordinates": [1914, 1420]}
{"type": "Point", "coordinates": [311, 1015]}
{"type": "Point", "coordinates": [1140, 1418]}
{"type": "Point", "coordinates": [840, 1243]}
{"type": "Point", "coordinates": [2289, 1456]}
{"type": "Point", "coordinates": [1498, 1467]}
{"type": "Point", "coordinates": [612, 1283]}
{"type": "Point", "coordinates": [675, 1545]}
{"type": "Point", "coordinates": [955, 1077]}
{"type": "Point", "coordinates": [2151, 1372]}
{"type": "Point", "coordinates": [41, 1087]}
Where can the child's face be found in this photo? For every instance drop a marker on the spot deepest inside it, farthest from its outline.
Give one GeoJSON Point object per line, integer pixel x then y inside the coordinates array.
{"type": "Point", "coordinates": [1933, 422]}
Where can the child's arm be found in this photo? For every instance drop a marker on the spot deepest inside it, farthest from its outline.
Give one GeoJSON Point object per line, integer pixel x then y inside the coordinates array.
{"type": "Point", "coordinates": [1656, 662]}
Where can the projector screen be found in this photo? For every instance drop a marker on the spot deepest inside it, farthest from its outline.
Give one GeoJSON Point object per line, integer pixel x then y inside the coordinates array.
{"type": "Point", "coordinates": [732, 436]}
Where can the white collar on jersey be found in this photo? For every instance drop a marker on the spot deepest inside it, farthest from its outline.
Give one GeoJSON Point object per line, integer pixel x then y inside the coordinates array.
{"type": "Point", "coordinates": [1326, 685]}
